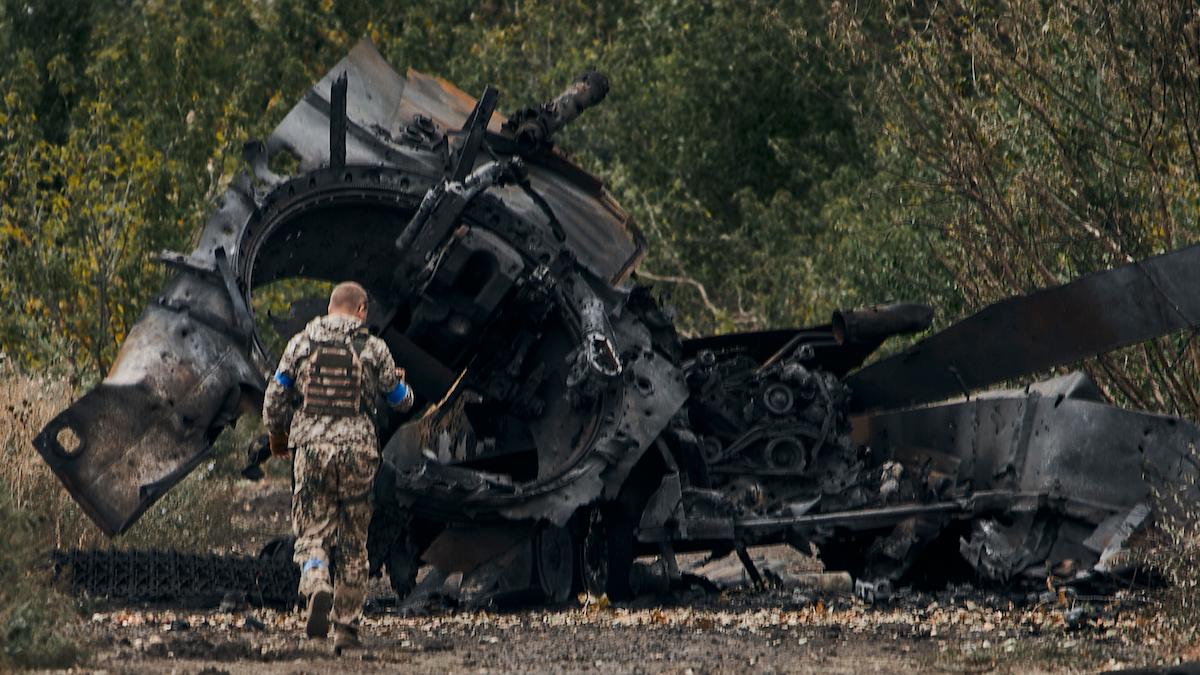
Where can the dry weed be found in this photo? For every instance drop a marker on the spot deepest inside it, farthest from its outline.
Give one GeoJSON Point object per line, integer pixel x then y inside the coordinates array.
{"type": "Point", "coordinates": [37, 623]}
{"type": "Point", "coordinates": [195, 515]}
{"type": "Point", "coordinates": [1172, 549]}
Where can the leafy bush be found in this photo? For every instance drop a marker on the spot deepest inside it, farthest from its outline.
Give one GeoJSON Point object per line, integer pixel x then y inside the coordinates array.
{"type": "Point", "coordinates": [1030, 142]}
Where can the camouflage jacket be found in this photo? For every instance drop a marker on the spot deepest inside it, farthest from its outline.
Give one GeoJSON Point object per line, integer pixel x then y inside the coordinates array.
{"type": "Point", "coordinates": [280, 409]}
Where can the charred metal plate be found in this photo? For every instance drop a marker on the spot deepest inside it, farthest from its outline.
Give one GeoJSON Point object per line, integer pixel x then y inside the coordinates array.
{"type": "Point", "coordinates": [176, 383]}
{"type": "Point", "coordinates": [837, 347]}
{"type": "Point", "coordinates": [1056, 326]}
{"type": "Point", "coordinates": [1099, 456]}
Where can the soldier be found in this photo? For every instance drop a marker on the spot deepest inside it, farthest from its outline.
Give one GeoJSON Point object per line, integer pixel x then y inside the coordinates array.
{"type": "Point", "coordinates": [339, 370]}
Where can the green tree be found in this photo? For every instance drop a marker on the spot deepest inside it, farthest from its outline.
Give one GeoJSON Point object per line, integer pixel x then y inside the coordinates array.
{"type": "Point", "coordinates": [727, 135]}
{"type": "Point", "coordinates": [1044, 141]}
{"type": "Point", "coordinates": [75, 237]}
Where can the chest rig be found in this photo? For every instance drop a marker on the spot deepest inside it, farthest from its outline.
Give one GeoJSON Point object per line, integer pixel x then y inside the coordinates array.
{"type": "Point", "coordinates": [334, 386]}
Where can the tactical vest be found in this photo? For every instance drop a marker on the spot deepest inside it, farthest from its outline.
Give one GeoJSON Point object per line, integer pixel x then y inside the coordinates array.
{"type": "Point", "coordinates": [335, 378]}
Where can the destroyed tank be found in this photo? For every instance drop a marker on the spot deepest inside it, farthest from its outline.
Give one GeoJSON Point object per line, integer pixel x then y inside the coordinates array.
{"type": "Point", "coordinates": [563, 428]}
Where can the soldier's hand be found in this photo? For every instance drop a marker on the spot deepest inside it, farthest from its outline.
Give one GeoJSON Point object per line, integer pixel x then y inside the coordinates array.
{"type": "Point", "coordinates": [400, 374]}
{"type": "Point", "coordinates": [279, 444]}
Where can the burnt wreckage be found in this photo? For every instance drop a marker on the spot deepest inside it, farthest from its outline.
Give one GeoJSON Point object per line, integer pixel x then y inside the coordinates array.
{"type": "Point", "coordinates": [566, 428]}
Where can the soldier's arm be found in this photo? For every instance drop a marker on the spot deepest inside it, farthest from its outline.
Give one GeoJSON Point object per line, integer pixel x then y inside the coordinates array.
{"type": "Point", "coordinates": [391, 379]}
{"type": "Point", "coordinates": [277, 403]}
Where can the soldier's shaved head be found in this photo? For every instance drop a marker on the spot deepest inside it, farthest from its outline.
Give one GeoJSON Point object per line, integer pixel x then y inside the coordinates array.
{"type": "Point", "coordinates": [348, 298]}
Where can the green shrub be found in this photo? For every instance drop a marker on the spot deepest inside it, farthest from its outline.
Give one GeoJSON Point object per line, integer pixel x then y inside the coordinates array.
{"type": "Point", "coordinates": [1172, 549]}
{"type": "Point", "coordinates": [37, 622]}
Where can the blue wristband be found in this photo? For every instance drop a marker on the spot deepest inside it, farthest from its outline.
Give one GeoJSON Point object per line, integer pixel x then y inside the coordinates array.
{"type": "Point", "coordinates": [283, 380]}
{"type": "Point", "coordinates": [396, 396]}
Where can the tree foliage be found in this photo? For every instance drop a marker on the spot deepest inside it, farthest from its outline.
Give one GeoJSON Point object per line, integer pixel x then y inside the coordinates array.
{"type": "Point", "coordinates": [1045, 140]}
{"type": "Point", "coordinates": [725, 134]}
{"type": "Point", "coordinates": [783, 159]}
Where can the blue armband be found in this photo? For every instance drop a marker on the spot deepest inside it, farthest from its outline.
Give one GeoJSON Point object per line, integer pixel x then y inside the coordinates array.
{"type": "Point", "coordinates": [396, 396]}
{"type": "Point", "coordinates": [283, 380]}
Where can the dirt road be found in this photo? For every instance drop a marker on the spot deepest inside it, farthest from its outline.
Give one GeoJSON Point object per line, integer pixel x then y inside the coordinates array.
{"type": "Point", "coordinates": [955, 630]}
{"type": "Point", "coordinates": [771, 631]}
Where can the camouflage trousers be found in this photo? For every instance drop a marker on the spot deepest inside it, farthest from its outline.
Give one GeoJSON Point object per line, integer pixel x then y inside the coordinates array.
{"type": "Point", "coordinates": [331, 509]}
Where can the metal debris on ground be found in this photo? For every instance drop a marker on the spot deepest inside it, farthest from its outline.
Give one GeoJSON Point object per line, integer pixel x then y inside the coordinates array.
{"type": "Point", "coordinates": [232, 582]}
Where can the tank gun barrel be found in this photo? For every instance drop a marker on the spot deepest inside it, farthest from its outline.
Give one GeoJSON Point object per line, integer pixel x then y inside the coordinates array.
{"type": "Point", "coordinates": [534, 128]}
{"type": "Point", "coordinates": [875, 324]}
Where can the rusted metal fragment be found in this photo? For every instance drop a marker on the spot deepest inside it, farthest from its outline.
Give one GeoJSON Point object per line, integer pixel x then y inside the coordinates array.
{"type": "Point", "coordinates": [377, 112]}
{"type": "Point", "coordinates": [872, 325]}
{"type": "Point", "coordinates": [179, 379]}
{"type": "Point", "coordinates": [1052, 327]}
{"type": "Point", "coordinates": [1093, 464]}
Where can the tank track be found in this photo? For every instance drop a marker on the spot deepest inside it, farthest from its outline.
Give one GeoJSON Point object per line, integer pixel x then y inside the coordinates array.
{"type": "Point", "coordinates": [178, 579]}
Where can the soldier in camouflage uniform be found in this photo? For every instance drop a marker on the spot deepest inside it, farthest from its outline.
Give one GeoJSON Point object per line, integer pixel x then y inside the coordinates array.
{"type": "Point", "coordinates": [338, 370]}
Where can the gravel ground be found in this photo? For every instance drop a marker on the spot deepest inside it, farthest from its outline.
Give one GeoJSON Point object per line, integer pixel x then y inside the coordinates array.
{"type": "Point", "coordinates": [957, 630]}
{"type": "Point", "coordinates": [767, 631]}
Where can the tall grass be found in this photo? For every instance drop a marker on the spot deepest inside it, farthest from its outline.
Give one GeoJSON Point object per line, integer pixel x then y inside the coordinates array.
{"type": "Point", "coordinates": [193, 516]}
{"type": "Point", "coordinates": [1172, 548]}
{"type": "Point", "coordinates": [38, 624]}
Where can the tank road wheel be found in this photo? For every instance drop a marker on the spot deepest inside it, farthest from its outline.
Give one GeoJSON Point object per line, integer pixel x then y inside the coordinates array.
{"type": "Point", "coordinates": [606, 552]}
{"type": "Point", "coordinates": [554, 562]}
{"type": "Point", "coordinates": [845, 554]}
{"type": "Point", "coordinates": [402, 564]}
{"type": "Point", "coordinates": [393, 542]}
{"type": "Point", "coordinates": [279, 548]}
{"type": "Point", "coordinates": [279, 552]}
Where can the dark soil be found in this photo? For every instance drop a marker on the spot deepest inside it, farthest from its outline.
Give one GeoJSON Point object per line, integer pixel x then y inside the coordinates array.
{"type": "Point", "coordinates": [960, 629]}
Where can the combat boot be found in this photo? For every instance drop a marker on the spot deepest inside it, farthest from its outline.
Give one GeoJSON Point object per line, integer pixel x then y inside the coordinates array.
{"type": "Point", "coordinates": [320, 603]}
{"type": "Point", "coordinates": [345, 636]}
